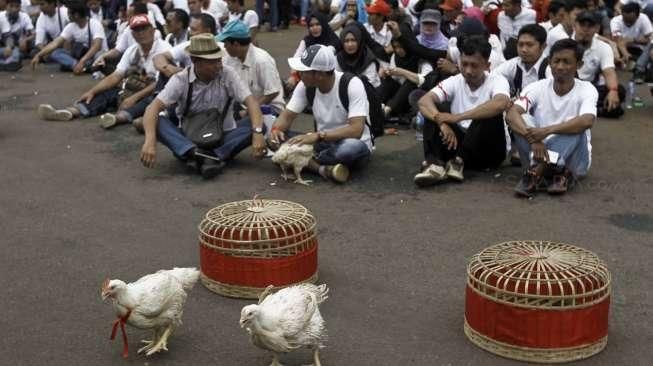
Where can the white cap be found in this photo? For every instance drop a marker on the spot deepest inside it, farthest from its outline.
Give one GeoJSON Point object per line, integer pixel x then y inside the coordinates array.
{"type": "Point", "coordinates": [316, 57]}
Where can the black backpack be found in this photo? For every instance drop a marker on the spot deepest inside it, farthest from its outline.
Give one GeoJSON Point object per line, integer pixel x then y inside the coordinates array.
{"type": "Point", "coordinates": [377, 117]}
{"type": "Point", "coordinates": [517, 80]}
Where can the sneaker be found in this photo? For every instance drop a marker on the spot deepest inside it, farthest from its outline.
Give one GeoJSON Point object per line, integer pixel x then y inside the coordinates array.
{"type": "Point", "coordinates": [108, 121]}
{"type": "Point", "coordinates": [455, 169]}
{"type": "Point", "coordinates": [138, 125]}
{"type": "Point", "coordinates": [338, 173]}
{"type": "Point", "coordinates": [49, 113]}
{"type": "Point", "coordinates": [431, 175]}
{"type": "Point", "coordinates": [527, 185]}
{"type": "Point", "coordinates": [211, 168]}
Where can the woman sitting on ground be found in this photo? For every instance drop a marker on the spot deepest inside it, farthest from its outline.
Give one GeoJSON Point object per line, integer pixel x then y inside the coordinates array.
{"type": "Point", "coordinates": [355, 57]}
{"type": "Point", "coordinates": [319, 32]}
{"type": "Point", "coordinates": [405, 73]}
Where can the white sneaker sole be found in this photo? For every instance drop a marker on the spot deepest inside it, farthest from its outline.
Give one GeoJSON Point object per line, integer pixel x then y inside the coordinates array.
{"type": "Point", "coordinates": [340, 173]}
{"type": "Point", "coordinates": [49, 113]}
{"type": "Point", "coordinates": [107, 121]}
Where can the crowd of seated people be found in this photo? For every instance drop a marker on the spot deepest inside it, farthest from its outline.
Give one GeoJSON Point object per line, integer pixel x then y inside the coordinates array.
{"type": "Point", "coordinates": [505, 79]}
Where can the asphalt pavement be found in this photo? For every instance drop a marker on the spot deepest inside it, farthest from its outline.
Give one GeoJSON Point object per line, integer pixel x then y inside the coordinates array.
{"type": "Point", "coordinates": [76, 207]}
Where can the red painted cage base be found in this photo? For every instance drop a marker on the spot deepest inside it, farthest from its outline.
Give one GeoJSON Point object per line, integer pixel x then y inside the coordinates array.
{"type": "Point", "coordinates": [536, 328]}
{"type": "Point", "coordinates": [258, 272]}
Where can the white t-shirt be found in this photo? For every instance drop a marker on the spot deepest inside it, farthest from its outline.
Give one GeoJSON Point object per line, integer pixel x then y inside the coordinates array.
{"type": "Point", "coordinates": [496, 56]}
{"type": "Point", "coordinates": [218, 8]}
{"type": "Point", "coordinates": [423, 69]}
{"type": "Point", "coordinates": [596, 58]}
{"type": "Point", "coordinates": [508, 70]}
{"type": "Point", "coordinates": [72, 32]}
{"type": "Point", "coordinates": [22, 26]}
{"type": "Point", "coordinates": [329, 112]}
{"type": "Point", "coordinates": [134, 56]}
{"type": "Point", "coordinates": [99, 16]}
{"type": "Point", "coordinates": [371, 72]}
{"type": "Point", "coordinates": [180, 4]}
{"type": "Point", "coordinates": [260, 73]}
{"type": "Point", "coordinates": [454, 89]}
{"type": "Point", "coordinates": [554, 35]}
{"type": "Point", "coordinates": [250, 18]}
{"type": "Point", "coordinates": [382, 37]}
{"type": "Point", "coordinates": [509, 27]}
{"type": "Point", "coordinates": [546, 25]}
{"type": "Point", "coordinates": [642, 3]}
{"type": "Point", "coordinates": [126, 39]}
{"type": "Point", "coordinates": [155, 14]}
{"type": "Point", "coordinates": [173, 40]}
{"type": "Point", "coordinates": [548, 108]}
{"type": "Point", "coordinates": [640, 28]}
{"type": "Point", "coordinates": [302, 46]}
{"type": "Point", "coordinates": [50, 26]}
{"type": "Point", "coordinates": [179, 54]}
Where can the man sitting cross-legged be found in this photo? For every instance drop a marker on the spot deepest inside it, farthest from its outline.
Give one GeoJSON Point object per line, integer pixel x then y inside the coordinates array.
{"type": "Point", "coordinates": [342, 139]}
{"type": "Point", "coordinates": [473, 134]}
{"type": "Point", "coordinates": [554, 138]}
{"type": "Point", "coordinates": [204, 94]}
{"type": "Point", "coordinates": [127, 88]}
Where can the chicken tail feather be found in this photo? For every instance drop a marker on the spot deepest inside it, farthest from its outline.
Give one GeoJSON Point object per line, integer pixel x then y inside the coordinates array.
{"type": "Point", "coordinates": [187, 276]}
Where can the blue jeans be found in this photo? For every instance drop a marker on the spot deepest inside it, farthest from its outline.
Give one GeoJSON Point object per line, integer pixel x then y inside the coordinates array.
{"type": "Point", "coordinates": [14, 57]}
{"type": "Point", "coordinates": [351, 152]}
{"type": "Point", "coordinates": [101, 103]}
{"type": "Point", "coordinates": [274, 12]}
{"type": "Point", "coordinates": [644, 59]}
{"type": "Point", "coordinates": [108, 100]}
{"type": "Point", "coordinates": [233, 141]}
{"type": "Point", "coordinates": [303, 9]}
{"type": "Point", "coordinates": [572, 150]}
{"type": "Point", "coordinates": [62, 57]}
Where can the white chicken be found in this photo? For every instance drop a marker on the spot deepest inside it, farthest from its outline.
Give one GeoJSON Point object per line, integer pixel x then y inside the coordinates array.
{"type": "Point", "coordinates": [155, 302]}
{"type": "Point", "coordinates": [287, 320]}
{"type": "Point", "coordinates": [295, 156]}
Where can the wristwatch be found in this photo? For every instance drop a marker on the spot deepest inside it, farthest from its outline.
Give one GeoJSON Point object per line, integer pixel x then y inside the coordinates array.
{"type": "Point", "coordinates": [321, 135]}
{"type": "Point", "coordinates": [257, 129]}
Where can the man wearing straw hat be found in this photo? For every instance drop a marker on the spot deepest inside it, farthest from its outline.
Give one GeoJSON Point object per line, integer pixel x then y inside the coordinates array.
{"type": "Point", "coordinates": [209, 85]}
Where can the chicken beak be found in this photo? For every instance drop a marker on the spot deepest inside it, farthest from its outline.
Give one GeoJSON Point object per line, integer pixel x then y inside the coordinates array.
{"type": "Point", "coordinates": [242, 323]}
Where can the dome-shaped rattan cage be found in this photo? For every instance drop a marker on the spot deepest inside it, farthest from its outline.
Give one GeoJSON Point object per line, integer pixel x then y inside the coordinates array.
{"type": "Point", "coordinates": [247, 245]}
{"type": "Point", "coordinates": [537, 301]}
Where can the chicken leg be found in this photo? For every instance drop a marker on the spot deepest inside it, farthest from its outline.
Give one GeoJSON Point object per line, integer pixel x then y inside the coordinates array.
{"type": "Point", "coordinates": [162, 343]}
{"type": "Point", "coordinates": [275, 360]}
{"type": "Point", "coordinates": [150, 344]}
{"type": "Point", "coordinates": [284, 173]}
{"type": "Point", "coordinates": [298, 177]}
{"type": "Point", "coordinates": [316, 357]}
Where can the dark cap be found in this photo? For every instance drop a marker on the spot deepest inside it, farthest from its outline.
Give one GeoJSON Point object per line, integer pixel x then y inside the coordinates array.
{"type": "Point", "coordinates": [587, 16]}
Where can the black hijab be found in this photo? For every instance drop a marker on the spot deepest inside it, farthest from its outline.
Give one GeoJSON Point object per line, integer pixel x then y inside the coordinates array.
{"type": "Point", "coordinates": [409, 62]}
{"type": "Point", "coordinates": [358, 62]}
{"type": "Point", "coordinates": [326, 38]}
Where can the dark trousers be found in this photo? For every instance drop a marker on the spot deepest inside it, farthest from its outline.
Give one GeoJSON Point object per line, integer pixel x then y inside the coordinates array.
{"type": "Point", "coordinates": [285, 9]}
{"type": "Point", "coordinates": [108, 100]}
{"type": "Point", "coordinates": [482, 146]}
{"type": "Point", "coordinates": [395, 95]}
{"type": "Point", "coordinates": [603, 92]}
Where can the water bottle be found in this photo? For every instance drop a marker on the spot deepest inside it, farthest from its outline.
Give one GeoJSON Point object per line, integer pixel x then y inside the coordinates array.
{"type": "Point", "coordinates": [629, 94]}
{"type": "Point", "coordinates": [419, 126]}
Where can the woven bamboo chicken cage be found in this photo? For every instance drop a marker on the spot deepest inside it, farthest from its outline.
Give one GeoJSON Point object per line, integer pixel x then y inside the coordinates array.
{"type": "Point", "coordinates": [537, 301]}
{"type": "Point", "coordinates": [247, 245]}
